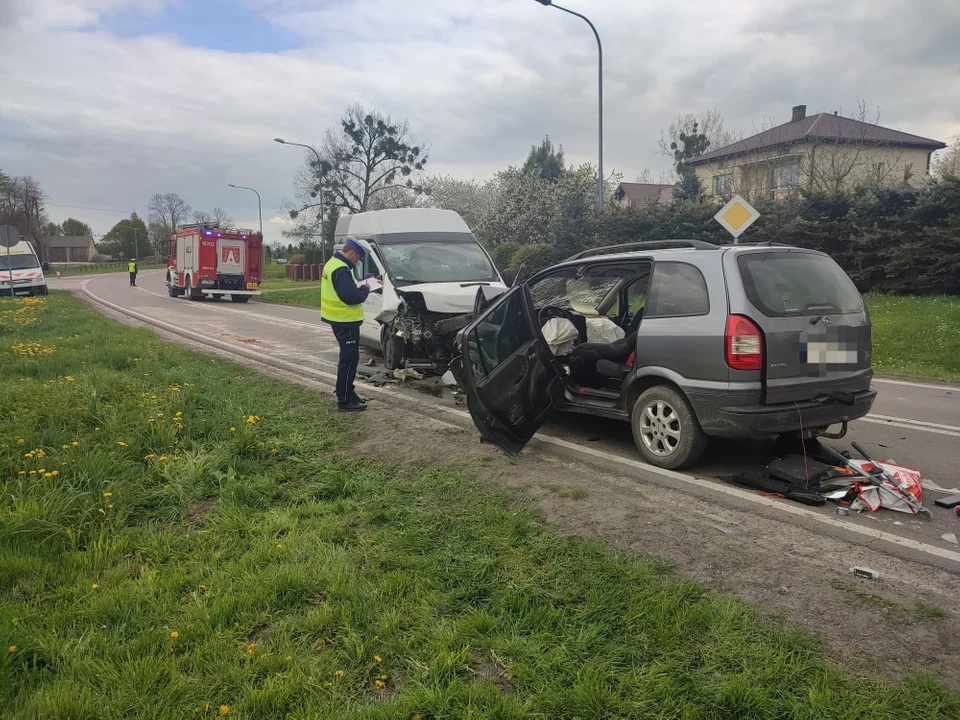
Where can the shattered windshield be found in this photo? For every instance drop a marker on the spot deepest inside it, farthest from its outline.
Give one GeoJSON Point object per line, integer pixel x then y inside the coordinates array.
{"type": "Point", "coordinates": [428, 262]}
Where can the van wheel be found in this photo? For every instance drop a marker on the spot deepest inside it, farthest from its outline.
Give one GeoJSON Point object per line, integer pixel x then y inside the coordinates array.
{"type": "Point", "coordinates": [392, 348]}
{"type": "Point", "coordinates": [666, 429]}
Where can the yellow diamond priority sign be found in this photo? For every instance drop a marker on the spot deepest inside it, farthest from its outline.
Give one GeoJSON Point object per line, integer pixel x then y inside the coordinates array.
{"type": "Point", "coordinates": [736, 216]}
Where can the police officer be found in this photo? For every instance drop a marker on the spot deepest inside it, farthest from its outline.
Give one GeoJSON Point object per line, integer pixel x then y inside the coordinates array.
{"type": "Point", "coordinates": [341, 305]}
{"type": "Point", "coordinates": [132, 269]}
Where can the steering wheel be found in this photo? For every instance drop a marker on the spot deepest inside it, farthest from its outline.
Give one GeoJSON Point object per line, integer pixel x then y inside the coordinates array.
{"type": "Point", "coordinates": [549, 312]}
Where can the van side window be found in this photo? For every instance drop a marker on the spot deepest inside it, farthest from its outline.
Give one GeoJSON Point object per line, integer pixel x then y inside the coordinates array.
{"type": "Point", "coordinates": [677, 289]}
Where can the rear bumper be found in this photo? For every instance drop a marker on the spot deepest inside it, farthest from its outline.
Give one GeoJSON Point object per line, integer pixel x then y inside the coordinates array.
{"type": "Point", "coordinates": [765, 420]}
{"type": "Point", "coordinates": [207, 291]}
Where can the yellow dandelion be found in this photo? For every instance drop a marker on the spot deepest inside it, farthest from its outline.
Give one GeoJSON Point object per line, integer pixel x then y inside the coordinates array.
{"type": "Point", "coordinates": [121, 443]}
{"type": "Point", "coordinates": [377, 658]}
{"type": "Point", "coordinates": [203, 588]}
{"type": "Point", "coordinates": [383, 677]}
{"type": "Point", "coordinates": [12, 648]}
{"type": "Point", "coordinates": [19, 441]}
{"type": "Point", "coordinates": [16, 621]}
{"type": "Point", "coordinates": [233, 429]}
{"type": "Point", "coordinates": [183, 599]}
{"type": "Point", "coordinates": [288, 658]}
{"type": "Point", "coordinates": [174, 634]}
{"type": "Point", "coordinates": [22, 472]}
{"type": "Point", "coordinates": [108, 494]}
{"type": "Point", "coordinates": [75, 443]}
{"type": "Point", "coordinates": [378, 683]}
{"type": "Point", "coordinates": [46, 475]}
{"type": "Point", "coordinates": [42, 470]}
{"type": "Point", "coordinates": [96, 429]}
{"type": "Point", "coordinates": [328, 684]}
{"type": "Point", "coordinates": [94, 586]}
{"type": "Point", "coordinates": [224, 710]}
{"type": "Point", "coordinates": [280, 545]}
{"type": "Point", "coordinates": [206, 708]}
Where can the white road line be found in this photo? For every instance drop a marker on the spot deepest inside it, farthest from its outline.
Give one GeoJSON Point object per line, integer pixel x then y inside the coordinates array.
{"type": "Point", "coordinates": [905, 424]}
{"type": "Point", "coordinates": [713, 486]}
{"type": "Point", "coordinates": [928, 386]}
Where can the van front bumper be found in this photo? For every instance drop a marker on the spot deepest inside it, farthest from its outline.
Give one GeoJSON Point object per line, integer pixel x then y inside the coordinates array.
{"type": "Point", "coordinates": [766, 420]}
{"type": "Point", "coordinates": [23, 290]}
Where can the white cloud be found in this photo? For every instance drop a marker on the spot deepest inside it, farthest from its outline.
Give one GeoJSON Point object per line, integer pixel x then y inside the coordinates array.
{"type": "Point", "coordinates": [106, 121]}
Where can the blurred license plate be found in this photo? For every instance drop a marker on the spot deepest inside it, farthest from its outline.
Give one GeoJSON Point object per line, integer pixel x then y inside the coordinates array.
{"type": "Point", "coordinates": [830, 353]}
{"type": "Point", "coordinates": [252, 286]}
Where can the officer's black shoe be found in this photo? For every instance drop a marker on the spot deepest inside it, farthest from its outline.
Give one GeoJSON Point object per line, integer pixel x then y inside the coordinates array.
{"type": "Point", "coordinates": [359, 400]}
{"type": "Point", "coordinates": [352, 406]}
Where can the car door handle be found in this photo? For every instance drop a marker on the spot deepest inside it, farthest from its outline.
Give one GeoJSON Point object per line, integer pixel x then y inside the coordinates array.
{"type": "Point", "coordinates": [524, 367]}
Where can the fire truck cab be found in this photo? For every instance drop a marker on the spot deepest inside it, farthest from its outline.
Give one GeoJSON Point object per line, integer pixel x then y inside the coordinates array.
{"type": "Point", "coordinates": [206, 261]}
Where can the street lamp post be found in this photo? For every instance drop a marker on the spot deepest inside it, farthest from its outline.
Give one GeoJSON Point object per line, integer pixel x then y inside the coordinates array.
{"type": "Point", "coordinates": [550, 3]}
{"type": "Point", "coordinates": [259, 206]}
{"type": "Point", "coordinates": [323, 250]}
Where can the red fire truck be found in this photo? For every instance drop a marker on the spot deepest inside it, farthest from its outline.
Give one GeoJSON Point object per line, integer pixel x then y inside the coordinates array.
{"type": "Point", "coordinates": [206, 261]}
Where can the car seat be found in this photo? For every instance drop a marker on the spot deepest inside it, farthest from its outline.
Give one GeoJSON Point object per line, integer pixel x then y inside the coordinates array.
{"type": "Point", "coordinates": [585, 360]}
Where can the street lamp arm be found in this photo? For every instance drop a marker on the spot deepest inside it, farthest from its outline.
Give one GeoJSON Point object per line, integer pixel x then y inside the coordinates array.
{"type": "Point", "coordinates": [587, 21]}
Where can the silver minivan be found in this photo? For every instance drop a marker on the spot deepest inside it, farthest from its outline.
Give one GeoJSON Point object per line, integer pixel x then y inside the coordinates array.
{"type": "Point", "coordinates": [725, 341]}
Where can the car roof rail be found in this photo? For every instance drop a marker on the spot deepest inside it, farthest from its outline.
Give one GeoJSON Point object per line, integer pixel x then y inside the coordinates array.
{"type": "Point", "coordinates": [646, 244]}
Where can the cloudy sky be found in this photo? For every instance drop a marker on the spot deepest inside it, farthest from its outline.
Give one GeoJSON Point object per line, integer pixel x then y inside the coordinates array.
{"type": "Point", "coordinates": [108, 101]}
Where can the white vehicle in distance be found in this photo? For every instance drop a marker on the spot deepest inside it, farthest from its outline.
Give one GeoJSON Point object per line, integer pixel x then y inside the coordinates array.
{"type": "Point", "coordinates": [431, 267]}
{"type": "Point", "coordinates": [24, 266]}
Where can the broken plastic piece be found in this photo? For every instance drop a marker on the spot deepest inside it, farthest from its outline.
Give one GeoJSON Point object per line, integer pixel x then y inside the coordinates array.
{"type": "Point", "coordinates": [371, 363]}
{"type": "Point", "coordinates": [948, 502]}
{"type": "Point", "coordinates": [866, 573]}
{"type": "Point", "coordinates": [402, 374]}
{"type": "Point", "coordinates": [448, 379]}
{"type": "Point", "coordinates": [950, 537]}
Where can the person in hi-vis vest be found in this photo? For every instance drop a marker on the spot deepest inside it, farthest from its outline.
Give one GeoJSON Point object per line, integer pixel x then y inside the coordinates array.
{"type": "Point", "coordinates": [132, 269]}
{"type": "Point", "coordinates": [341, 305]}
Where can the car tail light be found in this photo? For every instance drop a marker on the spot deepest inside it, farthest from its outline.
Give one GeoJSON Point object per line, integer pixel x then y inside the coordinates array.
{"type": "Point", "coordinates": [744, 344]}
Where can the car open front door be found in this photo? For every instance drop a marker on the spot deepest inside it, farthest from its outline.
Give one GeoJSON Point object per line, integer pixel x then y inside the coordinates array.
{"type": "Point", "coordinates": [511, 380]}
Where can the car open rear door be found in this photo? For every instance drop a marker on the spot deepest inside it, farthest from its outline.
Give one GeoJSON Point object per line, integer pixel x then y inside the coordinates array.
{"type": "Point", "coordinates": [511, 380]}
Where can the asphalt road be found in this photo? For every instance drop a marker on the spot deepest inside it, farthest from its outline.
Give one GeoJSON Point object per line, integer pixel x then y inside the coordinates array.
{"type": "Point", "coordinates": [914, 424]}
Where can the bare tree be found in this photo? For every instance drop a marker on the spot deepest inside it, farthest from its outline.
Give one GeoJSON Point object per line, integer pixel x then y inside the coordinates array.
{"type": "Point", "coordinates": [706, 122]}
{"type": "Point", "coordinates": [168, 209]}
{"type": "Point", "coordinates": [201, 217]}
{"type": "Point", "coordinates": [947, 162]}
{"type": "Point", "coordinates": [221, 219]}
{"type": "Point", "coordinates": [368, 155]}
{"type": "Point", "coordinates": [21, 205]}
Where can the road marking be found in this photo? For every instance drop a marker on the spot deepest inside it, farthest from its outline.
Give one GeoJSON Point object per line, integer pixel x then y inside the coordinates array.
{"type": "Point", "coordinates": [928, 386]}
{"type": "Point", "coordinates": [418, 407]}
{"type": "Point", "coordinates": [907, 424]}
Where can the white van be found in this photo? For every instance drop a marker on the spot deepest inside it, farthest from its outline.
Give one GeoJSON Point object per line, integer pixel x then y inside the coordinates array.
{"type": "Point", "coordinates": [25, 266]}
{"type": "Point", "coordinates": [431, 266]}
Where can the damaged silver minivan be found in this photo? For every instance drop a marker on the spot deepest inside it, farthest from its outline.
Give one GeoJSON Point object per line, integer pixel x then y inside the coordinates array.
{"type": "Point", "coordinates": [431, 266]}
{"type": "Point", "coordinates": [724, 341]}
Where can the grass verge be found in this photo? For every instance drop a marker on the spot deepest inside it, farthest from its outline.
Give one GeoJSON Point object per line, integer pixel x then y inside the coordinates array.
{"type": "Point", "coordinates": [917, 336]}
{"type": "Point", "coordinates": [181, 538]}
{"type": "Point", "coordinates": [301, 297]}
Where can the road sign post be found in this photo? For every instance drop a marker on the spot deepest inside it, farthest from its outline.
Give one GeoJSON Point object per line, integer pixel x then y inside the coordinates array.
{"type": "Point", "coordinates": [736, 216]}
{"type": "Point", "coordinates": [9, 236]}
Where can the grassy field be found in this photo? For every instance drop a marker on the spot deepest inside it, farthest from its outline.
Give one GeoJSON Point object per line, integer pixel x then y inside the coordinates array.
{"type": "Point", "coordinates": [918, 336]}
{"type": "Point", "coordinates": [301, 296]}
{"type": "Point", "coordinates": [180, 538]}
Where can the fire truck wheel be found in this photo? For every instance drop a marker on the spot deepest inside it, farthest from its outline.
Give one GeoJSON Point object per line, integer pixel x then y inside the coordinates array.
{"type": "Point", "coordinates": [192, 292]}
{"type": "Point", "coordinates": [240, 298]}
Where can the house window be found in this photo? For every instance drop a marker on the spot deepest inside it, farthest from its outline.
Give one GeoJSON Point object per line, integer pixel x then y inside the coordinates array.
{"type": "Point", "coordinates": [786, 176]}
{"type": "Point", "coordinates": [723, 184]}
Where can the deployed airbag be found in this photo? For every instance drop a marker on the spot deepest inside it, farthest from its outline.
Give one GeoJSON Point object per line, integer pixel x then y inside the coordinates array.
{"type": "Point", "coordinates": [561, 336]}
{"type": "Point", "coordinates": [603, 330]}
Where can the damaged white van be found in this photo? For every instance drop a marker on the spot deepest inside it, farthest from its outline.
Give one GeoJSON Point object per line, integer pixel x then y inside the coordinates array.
{"type": "Point", "coordinates": [431, 266]}
{"type": "Point", "coordinates": [20, 271]}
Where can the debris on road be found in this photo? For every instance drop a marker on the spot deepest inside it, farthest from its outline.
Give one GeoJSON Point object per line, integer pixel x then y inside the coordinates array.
{"type": "Point", "coordinates": [951, 538]}
{"type": "Point", "coordinates": [371, 363]}
{"type": "Point", "coordinates": [865, 573]}
{"type": "Point", "coordinates": [887, 485]}
{"type": "Point", "coordinates": [951, 501]}
{"type": "Point", "coordinates": [379, 379]}
{"type": "Point", "coordinates": [403, 374]}
{"type": "Point", "coordinates": [448, 379]}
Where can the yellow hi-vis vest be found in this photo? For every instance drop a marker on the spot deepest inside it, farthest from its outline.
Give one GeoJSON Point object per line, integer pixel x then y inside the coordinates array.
{"type": "Point", "coordinates": [132, 267]}
{"type": "Point", "coordinates": [332, 308]}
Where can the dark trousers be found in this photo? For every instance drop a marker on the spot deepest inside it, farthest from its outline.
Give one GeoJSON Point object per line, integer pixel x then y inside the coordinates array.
{"type": "Point", "coordinates": [348, 336]}
{"type": "Point", "coordinates": [133, 278]}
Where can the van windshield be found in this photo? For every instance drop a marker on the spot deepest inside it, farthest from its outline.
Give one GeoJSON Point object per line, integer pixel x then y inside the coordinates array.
{"type": "Point", "coordinates": [432, 262]}
{"type": "Point", "coordinates": [23, 261]}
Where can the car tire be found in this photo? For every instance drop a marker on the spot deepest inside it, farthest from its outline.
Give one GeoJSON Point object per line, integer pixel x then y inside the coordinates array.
{"type": "Point", "coordinates": [392, 348]}
{"type": "Point", "coordinates": [666, 429]}
{"type": "Point", "coordinates": [240, 298]}
{"type": "Point", "coordinates": [192, 292]}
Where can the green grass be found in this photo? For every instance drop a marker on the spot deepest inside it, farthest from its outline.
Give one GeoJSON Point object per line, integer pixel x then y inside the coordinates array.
{"type": "Point", "coordinates": [917, 336]}
{"type": "Point", "coordinates": [304, 297]}
{"type": "Point", "coordinates": [185, 557]}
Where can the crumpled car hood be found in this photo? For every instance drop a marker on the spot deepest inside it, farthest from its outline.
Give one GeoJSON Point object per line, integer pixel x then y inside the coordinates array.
{"type": "Point", "coordinates": [437, 297]}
